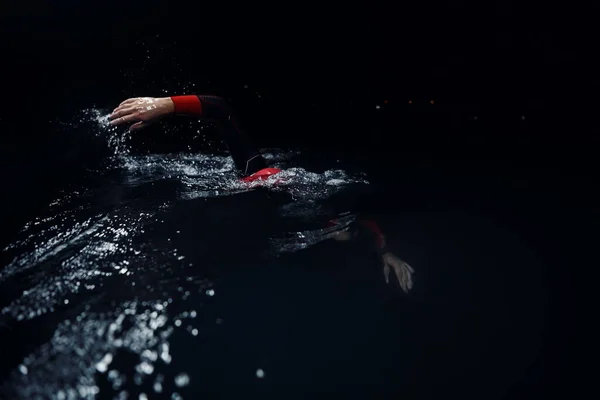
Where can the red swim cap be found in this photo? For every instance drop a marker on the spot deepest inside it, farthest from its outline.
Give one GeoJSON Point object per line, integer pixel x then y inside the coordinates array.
{"type": "Point", "coordinates": [262, 174]}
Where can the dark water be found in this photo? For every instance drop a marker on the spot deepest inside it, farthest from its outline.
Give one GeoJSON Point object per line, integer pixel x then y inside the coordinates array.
{"type": "Point", "coordinates": [139, 267]}
{"type": "Point", "coordinates": [162, 276]}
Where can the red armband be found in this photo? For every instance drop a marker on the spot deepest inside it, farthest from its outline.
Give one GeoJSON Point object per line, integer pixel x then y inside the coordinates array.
{"type": "Point", "coordinates": [372, 226]}
{"type": "Point", "coordinates": [187, 105]}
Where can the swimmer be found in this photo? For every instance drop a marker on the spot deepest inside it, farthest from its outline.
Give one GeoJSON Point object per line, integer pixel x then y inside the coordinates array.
{"type": "Point", "coordinates": [141, 112]}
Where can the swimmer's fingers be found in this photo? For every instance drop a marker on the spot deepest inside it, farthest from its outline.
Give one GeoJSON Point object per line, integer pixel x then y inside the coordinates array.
{"type": "Point", "coordinates": [127, 104]}
{"type": "Point", "coordinates": [407, 272]}
{"type": "Point", "coordinates": [139, 125]}
{"type": "Point", "coordinates": [386, 273]}
{"type": "Point", "coordinates": [401, 279]}
{"type": "Point", "coordinates": [124, 120]}
{"type": "Point", "coordinates": [121, 112]}
{"type": "Point", "coordinates": [404, 275]}
{"type": "Point", "coordinates": [129, 101]}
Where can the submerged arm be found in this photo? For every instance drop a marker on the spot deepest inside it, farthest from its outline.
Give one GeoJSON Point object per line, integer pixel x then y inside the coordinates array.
{"type": "Point", "coordinates": [368, 228]}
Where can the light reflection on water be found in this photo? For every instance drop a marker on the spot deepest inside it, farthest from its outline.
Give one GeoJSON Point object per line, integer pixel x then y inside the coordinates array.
{"type": "Point", "coordinates": [89, 265]}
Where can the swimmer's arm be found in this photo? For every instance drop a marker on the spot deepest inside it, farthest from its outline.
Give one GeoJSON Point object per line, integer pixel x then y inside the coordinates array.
{"type": "Point", "coordinates": [369, 227]}
{"type": "Point", "coordinates": [143, 111]}
{"type": "Point", "coordinates": [245, 155]}
{"type": "Point", "coordinates": [391, 262]}
{"type": "Point", "coordinates": [201, 106]}
{"type": "Point", "coordinates": [342, 236]}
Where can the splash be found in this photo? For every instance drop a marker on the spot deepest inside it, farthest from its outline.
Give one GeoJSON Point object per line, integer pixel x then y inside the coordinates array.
{"type": "Point", "coordinates": [295, 241]}
{"type": "Point", "coordinates": [84, 246]}
{"type": "Point", "coordinates": [90, 346]}
{"type": "Point", "coordinates": [72, 262]}
{"type": "Point", "coordinates": [205, 175]}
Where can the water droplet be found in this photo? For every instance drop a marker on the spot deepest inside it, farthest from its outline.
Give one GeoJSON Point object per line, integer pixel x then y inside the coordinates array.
{"type": "Point", "coordinates": [146, 368]}
{"type": "Point", "coordinates": [102, 365]}
{"type": "Point", "coordinates": [182, 380]}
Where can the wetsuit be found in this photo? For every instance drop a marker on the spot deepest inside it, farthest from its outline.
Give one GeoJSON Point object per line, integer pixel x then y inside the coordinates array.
{"type": "Point", "coordinates": [248, 159]}
{"type": "Point", "coordinates": [246, 156]}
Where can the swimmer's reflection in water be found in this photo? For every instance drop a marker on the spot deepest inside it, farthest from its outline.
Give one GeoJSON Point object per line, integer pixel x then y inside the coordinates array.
{"type": "Point", "coordinates": [143, 111]}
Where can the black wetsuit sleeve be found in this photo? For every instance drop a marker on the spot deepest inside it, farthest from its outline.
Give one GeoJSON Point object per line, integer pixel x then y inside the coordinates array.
{"type": "Point", "coordinates": [367, 231]}
{"type": "Point", "coordinates": [246, 156]}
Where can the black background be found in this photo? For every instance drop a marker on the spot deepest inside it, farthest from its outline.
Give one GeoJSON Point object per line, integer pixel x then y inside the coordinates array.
{"type": "Point", "coordinates": [320, 71]}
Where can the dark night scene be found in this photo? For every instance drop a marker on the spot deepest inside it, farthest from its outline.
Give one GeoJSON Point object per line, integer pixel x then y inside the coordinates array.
{"type": "Point", "coordinates": [372, 200]}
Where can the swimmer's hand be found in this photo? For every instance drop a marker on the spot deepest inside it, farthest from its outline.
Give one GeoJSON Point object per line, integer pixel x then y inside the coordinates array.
{"type": "Point", "coordinates": [402, 270]}
{"type": "Point", "coordinates": [141, 111]}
